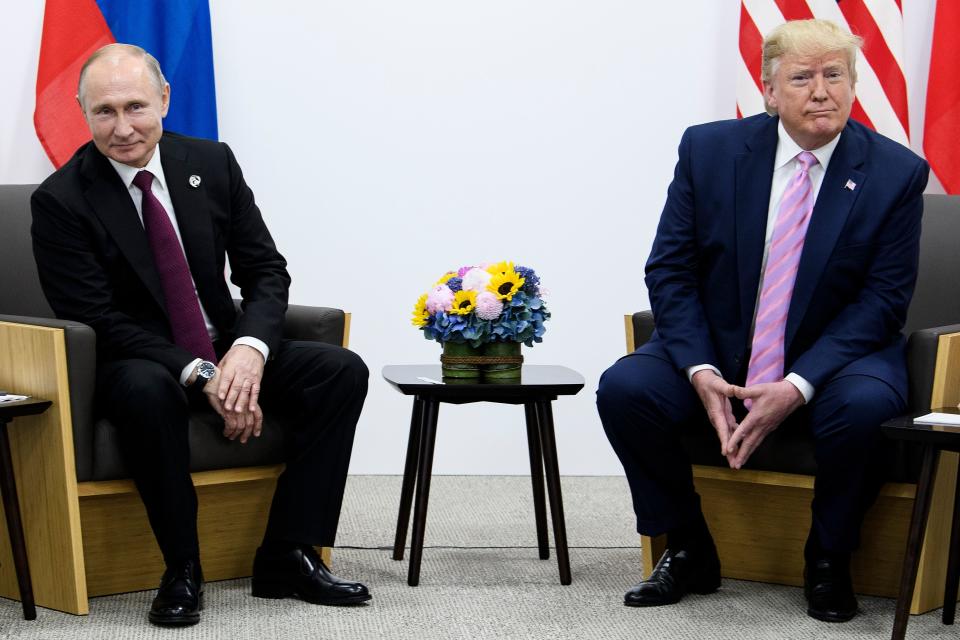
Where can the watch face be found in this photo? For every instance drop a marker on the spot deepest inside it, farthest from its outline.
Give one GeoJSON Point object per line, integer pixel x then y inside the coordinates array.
{"type": "Point", "coordinates": [206, 370]}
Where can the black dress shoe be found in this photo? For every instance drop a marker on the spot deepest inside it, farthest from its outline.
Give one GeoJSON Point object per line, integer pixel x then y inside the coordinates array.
{"type": "Point", "coordinates": [300, 572]}
{"type": "Point", "coordinates": [676, 574]}
{"type": "Point", "coordinates": [829, 589]}
{"type": "Point", "coordinates": [180, 598]}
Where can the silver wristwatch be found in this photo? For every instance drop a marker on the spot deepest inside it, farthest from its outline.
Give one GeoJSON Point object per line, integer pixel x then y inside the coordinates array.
{"type": "Point", "coordinates": [205, 372]}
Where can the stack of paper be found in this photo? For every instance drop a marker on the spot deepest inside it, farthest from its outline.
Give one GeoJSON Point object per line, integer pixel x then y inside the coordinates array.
{"type": "Point", "coordinates": [9, 397]}
{"type": "Point", "coordinates": [938, 418]}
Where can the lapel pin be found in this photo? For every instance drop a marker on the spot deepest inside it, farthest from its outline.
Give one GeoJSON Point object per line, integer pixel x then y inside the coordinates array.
{"type": "Point", "coordinates": [851, 185]}
{"type": "Point", "coordinates": [194, 181]}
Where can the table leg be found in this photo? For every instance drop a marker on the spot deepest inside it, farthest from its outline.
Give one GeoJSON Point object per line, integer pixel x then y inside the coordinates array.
{"type": "Point", "coordinates": [409, 479]}
{"type": "Point", "coordinates": [11, 508]}
{"type": "Point", "coordinates": [921, 509]}
{"type": "Point", "coordinates": [428, 437]}
{"type": "Point", "coordinates": [549, 443]}
{"type": "Point", "coordinates": [536, 477]}
{"type": "Point", "coordinates": [953, 563]}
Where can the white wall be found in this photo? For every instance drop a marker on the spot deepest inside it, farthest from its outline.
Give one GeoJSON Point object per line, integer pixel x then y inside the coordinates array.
{"type": "Point", "coordinates": [389, 141]}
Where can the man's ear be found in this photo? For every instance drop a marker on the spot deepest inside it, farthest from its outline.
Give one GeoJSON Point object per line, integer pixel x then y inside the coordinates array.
{"type": "Point", "coordinates": [769, 99]}
{"type": "Point", "coordinates": [165, 100]}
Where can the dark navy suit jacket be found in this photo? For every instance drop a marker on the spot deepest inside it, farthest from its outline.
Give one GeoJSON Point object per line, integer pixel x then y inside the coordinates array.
{"type": "Point", "coordinates": [857, 270]}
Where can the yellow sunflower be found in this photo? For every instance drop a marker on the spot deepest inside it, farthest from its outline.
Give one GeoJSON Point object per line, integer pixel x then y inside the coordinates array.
{"type": "Point", "coordinates": [446, 277]}
{"type": "Point", "coordinates": [464, 302]}
{"type": "Point", "coordinates": [420, 314]}
{"type": "Point", "coordinates": [504, 285]}
{"type": "Point", "coordinates": [500, 268]}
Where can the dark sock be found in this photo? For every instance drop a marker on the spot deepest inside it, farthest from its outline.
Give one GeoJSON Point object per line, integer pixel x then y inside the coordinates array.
{"type": "Point", "coordinates": [691, 536]}
{"type": "Point", "coordinates": [813, 551]}
{"type": "Point", "coordinates": [279, 547]}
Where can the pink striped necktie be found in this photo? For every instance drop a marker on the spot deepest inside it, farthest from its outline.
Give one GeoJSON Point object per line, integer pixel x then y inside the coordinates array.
{"type": "Point", "coordinates": [183, 307]}
{"type": "Point", "coordinates": [783, 258]}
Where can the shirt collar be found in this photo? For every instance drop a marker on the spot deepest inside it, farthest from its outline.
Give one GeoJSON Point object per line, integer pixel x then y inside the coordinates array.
{"type": "Point", "coordinates": [128, 173]}
{"type": "Point", "coordinates": [787, 149]}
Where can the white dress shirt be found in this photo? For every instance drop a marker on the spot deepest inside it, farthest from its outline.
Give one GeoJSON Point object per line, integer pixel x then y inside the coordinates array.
{"type": "Point", "coordinates": [785, 165]}
{"type": "Point", "coordinates": [160, 191]}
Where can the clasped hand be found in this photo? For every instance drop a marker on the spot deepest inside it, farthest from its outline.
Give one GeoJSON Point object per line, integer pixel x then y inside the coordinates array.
{"type": "Point", "coordinates": [235, 390]}
{"type": "Point", "coordinates": [771, 404]}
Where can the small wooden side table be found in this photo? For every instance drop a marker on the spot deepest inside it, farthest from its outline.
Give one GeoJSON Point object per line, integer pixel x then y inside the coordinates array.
{"type": "Point", "coordinates": [933, 438]}
{"type": "Point", "coordinates": [11, 505]}
{"type": "Point", "coordinates": [536, 389]}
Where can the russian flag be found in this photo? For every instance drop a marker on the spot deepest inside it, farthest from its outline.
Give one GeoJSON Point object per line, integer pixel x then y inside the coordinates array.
{"type": "Point", "coordinates": [176, 32]}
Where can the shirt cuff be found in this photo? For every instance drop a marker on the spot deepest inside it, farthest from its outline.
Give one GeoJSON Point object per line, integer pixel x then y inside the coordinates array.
{"type": "Point", "coordinates": [256, 343]}
{"type": "Point", "coordinates": [805, 388]}
{"type": "Point", "coordinates": [700, 367]}
{"type": "Point", "coordinates": [187, 370]}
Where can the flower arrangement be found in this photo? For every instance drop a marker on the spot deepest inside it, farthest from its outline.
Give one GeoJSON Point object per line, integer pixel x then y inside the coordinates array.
{"type": "Point", "coordinates": [483, 304]}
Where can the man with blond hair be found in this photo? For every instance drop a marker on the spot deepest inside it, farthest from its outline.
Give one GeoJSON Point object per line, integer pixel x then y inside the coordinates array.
{"type": "Point", "coordinates": [131, 237]}
{"type": "Point", "coordinates": [779, 279]}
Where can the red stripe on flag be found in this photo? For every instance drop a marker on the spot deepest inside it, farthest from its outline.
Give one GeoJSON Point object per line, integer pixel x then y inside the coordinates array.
{"type": "Point", "coordinates": [72, 30]}
{"type": "Point", "coordinates": [751, 45]}
{"type": "Point", "coordinates": [795, 9]}
{"type": "Point", "coordinates": [942, 120]}
{"type": "Point", "coordinates": [858, 114]}
{"type": "Point", "coordinates": [880, 57]}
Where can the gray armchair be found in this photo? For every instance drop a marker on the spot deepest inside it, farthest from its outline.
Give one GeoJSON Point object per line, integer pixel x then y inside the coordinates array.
{"type": "Point", "coordinates": [769, 500]}
{"type": "Point", "coordinates": [86, 530]}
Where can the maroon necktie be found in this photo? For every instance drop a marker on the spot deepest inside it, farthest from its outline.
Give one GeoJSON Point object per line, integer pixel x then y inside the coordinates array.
{"type": "Point", "coordinates": [183, 306]}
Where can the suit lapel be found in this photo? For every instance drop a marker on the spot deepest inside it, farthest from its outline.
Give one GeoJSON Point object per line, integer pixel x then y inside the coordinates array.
{"type": "Point", "coordinates": [754, 175]}
{"type": "Point", "coordinates": [111, 202]}
{"type": "Point", "coordinates": [192, 213]}
{"type": "Point", "coordinates": [830, 213]}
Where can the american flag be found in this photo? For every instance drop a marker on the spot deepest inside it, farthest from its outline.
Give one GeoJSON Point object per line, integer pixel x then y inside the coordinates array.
{"type": "Point", "coordinates": [941, 131]}
{"type": "Point", "coordinates": [881, 102]}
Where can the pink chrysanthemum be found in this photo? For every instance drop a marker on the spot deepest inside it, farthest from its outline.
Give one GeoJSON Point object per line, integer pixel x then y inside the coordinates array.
{"type": "Point", "coordinates": [488, 306]}
{"type": "Point", "coordinates": [440, 298]}
{"type": "Point", "coordinates": [476, 279]}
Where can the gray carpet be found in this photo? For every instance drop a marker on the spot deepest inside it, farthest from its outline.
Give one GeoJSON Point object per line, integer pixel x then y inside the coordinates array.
{"type": "Point", "coordinates": [481, 578]}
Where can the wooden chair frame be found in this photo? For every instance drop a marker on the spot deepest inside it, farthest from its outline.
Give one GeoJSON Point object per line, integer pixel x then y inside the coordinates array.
{"type": "Point", "coordinates": [760, 519]}
{"type": "Point", "coordinates": [88, 539]}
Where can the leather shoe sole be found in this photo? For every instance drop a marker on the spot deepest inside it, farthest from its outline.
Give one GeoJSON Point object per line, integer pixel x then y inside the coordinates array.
{"type": "Point", "coordinates": [831, 616]}
{"type": "Point", "coordinates": [277, 590]}
{"type": "Point", "coordinates": [176, 619]}
{"type": "Point", "coordinates": [656, 599]}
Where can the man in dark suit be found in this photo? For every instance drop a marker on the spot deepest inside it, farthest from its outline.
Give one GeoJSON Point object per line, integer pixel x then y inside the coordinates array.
{"type": "Point", "coordinates": [780, 276]}
{"type": "Point", "coordinates": [131, 238]}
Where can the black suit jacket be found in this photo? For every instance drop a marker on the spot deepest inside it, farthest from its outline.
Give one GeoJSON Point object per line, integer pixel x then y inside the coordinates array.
{"type": "Point", "coordinates": [96, 266]}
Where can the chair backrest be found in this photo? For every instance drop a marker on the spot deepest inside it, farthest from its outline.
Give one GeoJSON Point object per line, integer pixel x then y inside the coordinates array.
{"type": "Point", "coordinates": [20, 293]}
{"type": "Point", "coordinates": [936, 300]}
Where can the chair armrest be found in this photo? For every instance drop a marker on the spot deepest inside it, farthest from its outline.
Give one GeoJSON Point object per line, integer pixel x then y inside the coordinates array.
{"type": "Point", "coordinates": [81, 346]}
{"type": "Point", "coordinates": [921, 364]}
{"type": "Point", "coordinates": [316, 324]}
{"type": "Point", "coordinates": [639, 329]}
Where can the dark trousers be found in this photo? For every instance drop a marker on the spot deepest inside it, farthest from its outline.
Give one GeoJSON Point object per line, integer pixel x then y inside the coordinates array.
{"type": "Point", "coordinates": [645, 403]}
{"type": "Point", "coordinates": [317, 392]}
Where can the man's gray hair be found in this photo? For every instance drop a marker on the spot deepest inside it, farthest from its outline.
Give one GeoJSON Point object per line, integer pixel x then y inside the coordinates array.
{"type": "Point", "coordinates": [153, 67]}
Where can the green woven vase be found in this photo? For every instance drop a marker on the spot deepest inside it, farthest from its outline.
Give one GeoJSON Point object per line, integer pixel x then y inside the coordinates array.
{"type": "Point", "coordinates": [503, 370]}
{"type": "Point", "coordinates": [459, 370]}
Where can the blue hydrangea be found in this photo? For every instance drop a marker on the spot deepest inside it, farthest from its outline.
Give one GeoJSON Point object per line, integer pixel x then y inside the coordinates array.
{"type": "Point", "coordinates": [455, 284]}
{"type": "Point", "coordinates": [531, 285]}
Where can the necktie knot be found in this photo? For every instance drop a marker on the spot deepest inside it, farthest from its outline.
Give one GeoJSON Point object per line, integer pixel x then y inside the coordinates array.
{"type": "Point", "coordinates": [805, 158]}
{"type": "Point", "coordinates": [143, 180]}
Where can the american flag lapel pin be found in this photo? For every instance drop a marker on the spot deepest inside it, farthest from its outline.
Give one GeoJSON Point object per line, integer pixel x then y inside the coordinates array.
{"type": "Point", "coordinates": [851, 185]}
